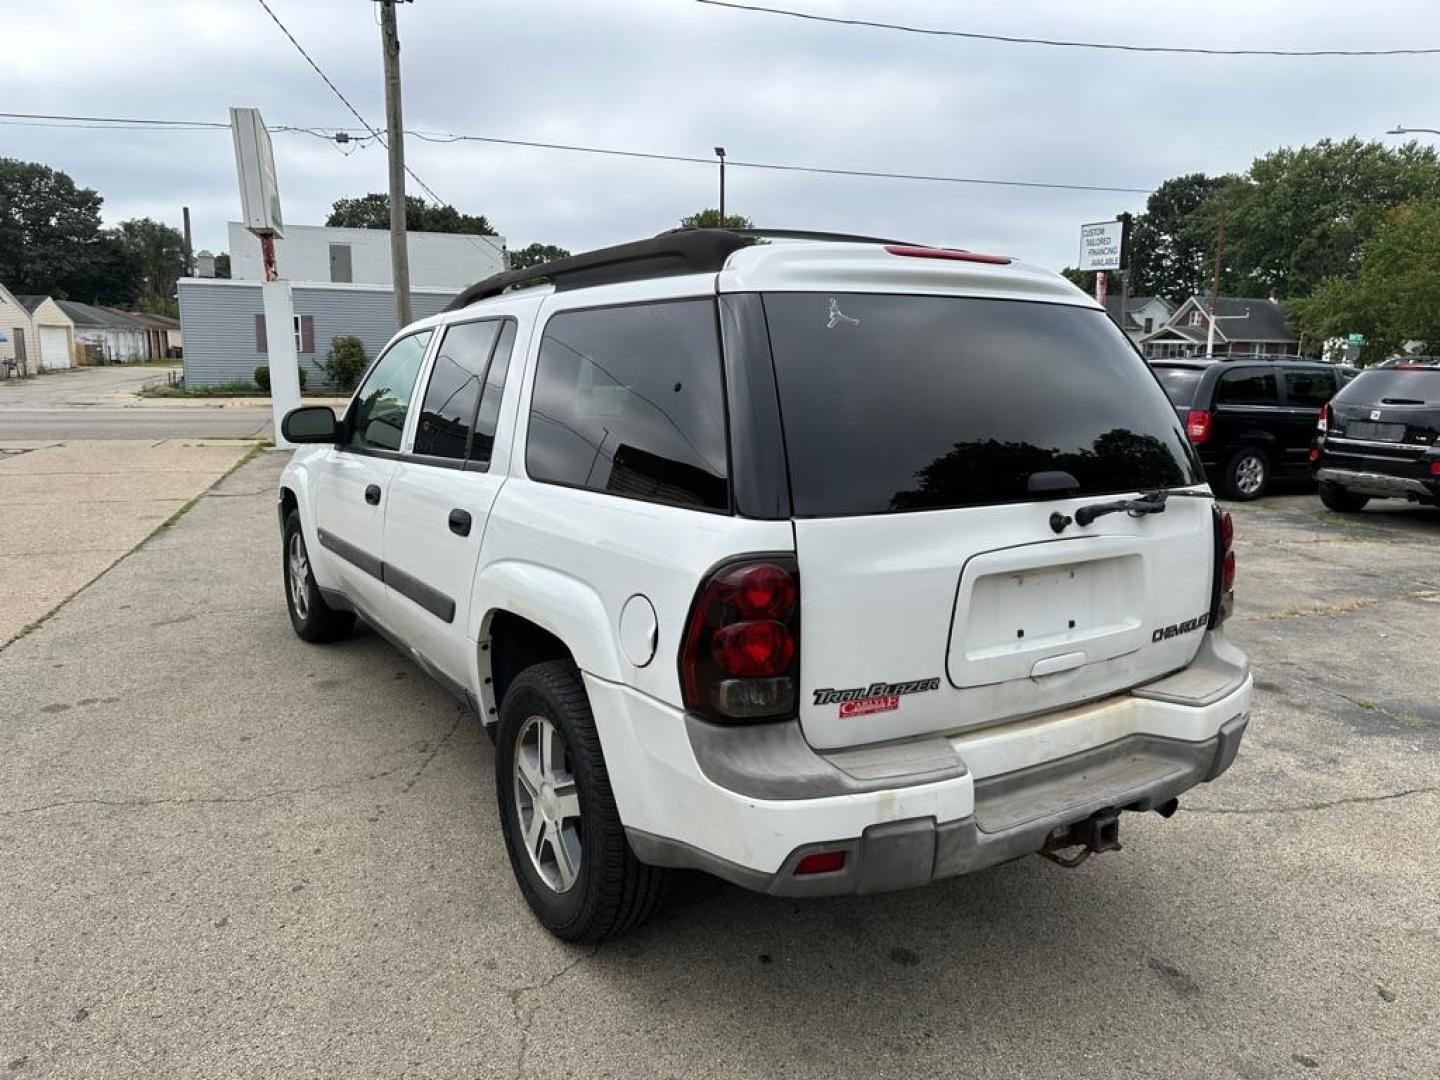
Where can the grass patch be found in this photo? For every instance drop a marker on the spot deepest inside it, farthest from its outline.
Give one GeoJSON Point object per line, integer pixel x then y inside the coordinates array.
{"type": "Point", "coordinates": [224, 390]}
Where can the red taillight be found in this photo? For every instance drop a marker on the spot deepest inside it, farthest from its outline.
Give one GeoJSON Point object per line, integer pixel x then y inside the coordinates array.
{"type": "Point", "coordinates": [1435, 468]}
{"type": "Point", "coordinates": [751, 649]}
{"type": "Point", "coordinates": [1314, 453]}
{"type": "Point", "coordinates": [1197, 425]}
{"type": "Point", "coordinates": [1223, 599]}
{"type": "Point", "coordinates": [740, 656]}
{"type": "Point", "coordinates": [821, 862]}
{"type": "Point", "coordinates": [947, 253]}
{"type": "Point", "coordinates": [1322, 422]}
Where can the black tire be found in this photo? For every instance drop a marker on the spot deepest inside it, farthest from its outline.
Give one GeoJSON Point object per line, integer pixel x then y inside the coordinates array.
{"type": "Point", "coordinates": [1247, 474]}
{"type": "Point", "coordinates": [1340, 500]}
{"type": "Point", "coordinates": [612, 891]}
{"type": "Point", "coordinates": [313, 619]}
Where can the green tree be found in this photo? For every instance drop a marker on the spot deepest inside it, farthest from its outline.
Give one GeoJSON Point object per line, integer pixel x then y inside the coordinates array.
{"type": "Point", "coordinates": [1301, 216]}
{"type": "Point", "coordinates": [156, 252]}
{"type": "Point", "coordinates": [1169, 256]}
{"type": "Point", "coordinates": [709, 218]}
{"type": "Point", "coordinates": [535, 254]}
{"type": "Point", "coordinates": [222, 265]}
{"type": "Point", "coordinates": [1394, 295]}
{"type": "Point", "coordinates": [49, 230]}
{"type": "Point", "coordinates": [373, 212]}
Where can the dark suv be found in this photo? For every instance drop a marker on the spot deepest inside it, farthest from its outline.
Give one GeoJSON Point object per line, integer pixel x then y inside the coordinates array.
{"type": "Point", "coordinates": [1380, 438]}
{"type": "Point", "coordinates": [1250, 418]}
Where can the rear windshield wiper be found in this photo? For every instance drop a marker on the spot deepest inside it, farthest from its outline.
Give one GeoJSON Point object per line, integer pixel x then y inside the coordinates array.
{"type": "Point", "coordinates": [1147, 502]}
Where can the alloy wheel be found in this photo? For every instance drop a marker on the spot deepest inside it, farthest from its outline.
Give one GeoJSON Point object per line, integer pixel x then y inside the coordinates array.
{"type": "Point", "coordinates": [299, 576]}
{"type": "Point", "coordinates": [547, 803]}
{"type": "Point", "coordinates": [1250, 474]}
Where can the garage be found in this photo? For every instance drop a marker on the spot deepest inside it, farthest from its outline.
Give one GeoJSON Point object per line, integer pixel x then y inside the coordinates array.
{"type": "Point", "coordinates": [52, 334]}
{"type": "Point", "coordinates": [54, 347]}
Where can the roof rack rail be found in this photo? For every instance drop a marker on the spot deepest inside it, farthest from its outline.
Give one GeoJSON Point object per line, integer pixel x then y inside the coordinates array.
{"type": "Point", "coordinates": [678, 251]}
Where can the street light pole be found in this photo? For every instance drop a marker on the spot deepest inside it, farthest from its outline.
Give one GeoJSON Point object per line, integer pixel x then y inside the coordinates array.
{"type": "Point", "coordinates": [395, 136]}
{"type": "Point", "coordinates": [720, 153]}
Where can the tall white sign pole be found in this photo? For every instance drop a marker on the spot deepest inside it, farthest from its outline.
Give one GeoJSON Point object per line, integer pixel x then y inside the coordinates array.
{"type": "Point", "coordinates": [260, 207]}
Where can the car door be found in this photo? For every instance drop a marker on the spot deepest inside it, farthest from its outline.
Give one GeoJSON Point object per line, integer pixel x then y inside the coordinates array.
{"type": "Point", "coordinates": [442, 492]}
{"type": "Point", "coordinates": [351, 480]}
{"type": "Point", "coordinates": [1246, 412]}
{"type": "Point", "coordinates": [1305, 391]}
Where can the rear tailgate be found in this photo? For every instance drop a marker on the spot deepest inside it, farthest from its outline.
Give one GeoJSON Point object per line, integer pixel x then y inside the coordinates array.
{"type": "Point", "coordinates": [956, 619]}
{"type": "Point", "coordinates": [1387, 421]}
{"type": "Point", "coordinates": [929, 441]}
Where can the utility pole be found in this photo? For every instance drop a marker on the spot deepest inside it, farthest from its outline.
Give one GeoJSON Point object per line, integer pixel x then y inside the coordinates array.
{"type": "Point", "coordinates": [1215, 285]}
{"type": "Point", "coordinates": [720, 153]}
{"type": "Point", "coordinates": [395, 136]}
{"type": "Point", "coordinates": [189, 251]}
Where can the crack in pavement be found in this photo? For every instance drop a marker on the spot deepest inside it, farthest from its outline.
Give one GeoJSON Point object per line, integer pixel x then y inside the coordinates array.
{"type": "Point", "coordinates": [523, 1021]}
{"type": "Point", "coordinates": [460, 714]}
{"type": "Point", "coordinates": [200, 800]}
{"type": "Point", "coordinates": [1328, 804]}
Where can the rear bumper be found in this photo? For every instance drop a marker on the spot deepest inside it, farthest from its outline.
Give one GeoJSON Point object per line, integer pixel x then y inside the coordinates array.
{"type": "Point", "coordinates": [1379, 485]}
{"type": "Point", "coordinates": [747, 804]}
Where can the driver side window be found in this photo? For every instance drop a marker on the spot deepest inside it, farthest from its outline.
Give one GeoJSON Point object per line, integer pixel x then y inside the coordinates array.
{"type": "Point", "coordinates": [378, 414]}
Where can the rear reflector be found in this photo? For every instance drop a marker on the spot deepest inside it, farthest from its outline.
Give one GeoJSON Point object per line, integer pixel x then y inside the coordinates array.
{"type": "Point", "coordinates": [821, 862]}
{"type": "Point", "coordinates": [1435, 468]}
{"type": "Point", "coordinates": [1314, 453]}
{"type": "Point", "coordinates": [947, 253]}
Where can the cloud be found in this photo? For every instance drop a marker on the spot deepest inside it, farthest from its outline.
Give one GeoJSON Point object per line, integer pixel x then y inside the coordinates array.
{"type": "Point", "coordinates": [677, 77]}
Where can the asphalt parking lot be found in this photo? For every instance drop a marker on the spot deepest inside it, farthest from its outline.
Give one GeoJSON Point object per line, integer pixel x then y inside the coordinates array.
{"type": "Point", "coordinates": [224, 852]}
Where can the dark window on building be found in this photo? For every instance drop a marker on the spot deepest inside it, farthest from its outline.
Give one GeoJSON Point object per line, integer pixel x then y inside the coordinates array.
{"type": "Point", "coordinates": [1309, 388]}
{"type": "Point", "coordinates": [1248, 388]}
{"type": "Point", "coordinates": [629, 400]}
{"type": "Point", "coordinates": [488, 418]}
{"type": "Point", "coordinates": [1149, 325]}
{"type": "Point", "coordinates": [377, 418]}
{"type": "Point", "coordinates": [902, 403]}
{"type": "Point", "coordinates": [453, 393]}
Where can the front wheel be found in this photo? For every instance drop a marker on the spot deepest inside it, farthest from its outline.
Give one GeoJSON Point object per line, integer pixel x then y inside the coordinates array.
{"type": "Point", "coordinates": [1247, 476]}
{"type": "Point", "coordinates": [1340, 500]}
{"type": "Point", "coordinates": [563, 834]}
{"type": "Point", "coordinates": [313, 619]}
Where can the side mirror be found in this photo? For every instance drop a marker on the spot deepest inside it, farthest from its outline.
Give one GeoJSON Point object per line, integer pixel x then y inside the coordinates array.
{"type": "Point", "coordinates": [310, 424]}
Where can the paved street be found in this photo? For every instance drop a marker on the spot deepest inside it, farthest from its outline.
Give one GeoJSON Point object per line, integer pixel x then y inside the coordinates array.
{"type": "Point", "coordinates": [99, 403]}
{"type": "Point", "coordinates": [224, 852]}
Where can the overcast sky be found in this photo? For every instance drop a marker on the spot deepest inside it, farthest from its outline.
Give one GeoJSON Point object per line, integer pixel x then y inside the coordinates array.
{"type": "Point", "coordinates": [674, 76]}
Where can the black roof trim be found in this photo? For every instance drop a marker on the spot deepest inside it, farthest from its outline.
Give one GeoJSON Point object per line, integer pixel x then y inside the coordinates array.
{"type": "Point", "coordinates": [679, 251]}
{"type": "Point", "coordinates": [687, 251]}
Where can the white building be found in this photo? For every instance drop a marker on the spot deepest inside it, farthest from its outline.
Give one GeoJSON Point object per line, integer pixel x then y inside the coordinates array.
{"type": "Point", "coordinates": [316, 253]}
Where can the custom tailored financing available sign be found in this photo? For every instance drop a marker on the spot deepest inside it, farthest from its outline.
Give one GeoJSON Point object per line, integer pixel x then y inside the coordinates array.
{"type": "Point", "coordinates": [1100, 245]}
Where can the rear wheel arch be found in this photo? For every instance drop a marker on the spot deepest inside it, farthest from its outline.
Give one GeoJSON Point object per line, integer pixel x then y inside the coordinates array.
{"type": "Point", "coordinates": [509, 644]}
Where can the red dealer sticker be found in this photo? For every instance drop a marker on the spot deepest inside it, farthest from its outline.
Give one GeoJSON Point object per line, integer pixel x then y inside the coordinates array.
{"type": "Point", "coordinates": [866, 706]}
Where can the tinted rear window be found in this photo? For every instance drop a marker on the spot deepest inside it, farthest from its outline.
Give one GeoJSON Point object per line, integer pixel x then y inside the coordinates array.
{"type": "Point", "coordinates": [895, 403]}
{"type": "Point", "coordinates": [1179, 383]}
{"type": "Point", "coordinates": [1372, 386]}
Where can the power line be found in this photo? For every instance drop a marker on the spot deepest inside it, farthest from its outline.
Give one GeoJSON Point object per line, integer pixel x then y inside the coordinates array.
{"type": "Point", "coordinates": [346, 101]}
{"type": "Point", "coordinates": [1008, 39]}
{"type": "Point", "coordinates": [775, 166]}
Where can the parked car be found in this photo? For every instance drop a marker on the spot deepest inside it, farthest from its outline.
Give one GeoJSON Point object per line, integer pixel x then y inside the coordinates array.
{"type": "Point", "coordinates": [1379, 438]}
{"type": "Point", "coordinates": [1251, 419]}
{"type": "Point", "coordinates": [822, 565]}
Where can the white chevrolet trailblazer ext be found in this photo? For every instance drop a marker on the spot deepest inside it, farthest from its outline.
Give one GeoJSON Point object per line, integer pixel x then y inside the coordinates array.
{"type": "Point", "coordinates": [820, 563]}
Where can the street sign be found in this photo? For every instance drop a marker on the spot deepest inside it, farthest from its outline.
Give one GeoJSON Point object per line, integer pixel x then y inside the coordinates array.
{"type": "Point", "coordinates": [255, 162]}
{"type": "Point", "coordinates": [1355, 339]}
{"type": "Point", "coordinates": [1100, 244]}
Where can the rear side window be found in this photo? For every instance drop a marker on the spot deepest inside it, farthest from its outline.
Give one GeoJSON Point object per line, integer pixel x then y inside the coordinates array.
{"type": "Point", "coordinates": [453, 395]}
{"type": "Point", "coordinates": [488, 418]}
{"type": "Point", "coordinates": [896, 403]}
{"type": "Point", "coordinates": [1309, 388]}
{"type": "Point", "coordinates": [1248, 388]}
{"type": "Point", "coordinates": [1179, 383]}
{"type": "Point", "coordinates": [629, 400]}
